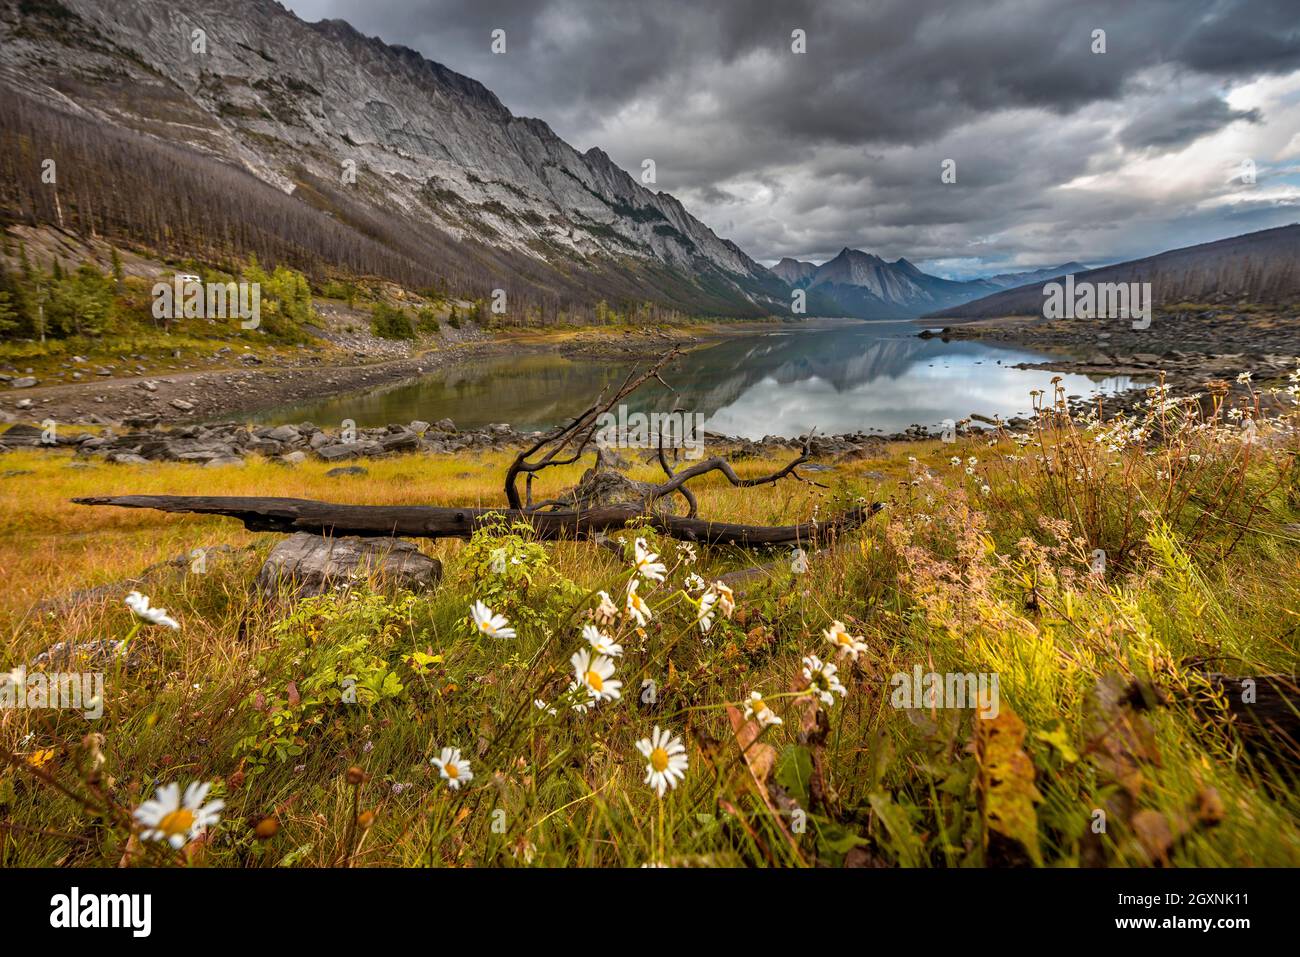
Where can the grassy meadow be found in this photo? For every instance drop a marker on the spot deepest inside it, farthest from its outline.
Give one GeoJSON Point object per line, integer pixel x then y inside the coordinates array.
{"type": "Point", "coordinates": [1099, 571]}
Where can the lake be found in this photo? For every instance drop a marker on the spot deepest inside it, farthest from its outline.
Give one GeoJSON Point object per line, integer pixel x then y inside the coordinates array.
{"type": "Point", "coordinates": [837, 377]}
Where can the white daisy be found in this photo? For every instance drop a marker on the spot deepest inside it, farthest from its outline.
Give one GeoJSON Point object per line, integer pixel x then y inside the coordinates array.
{"type": "Point", "coordinates": [756, 707]}
{"type": "Point", "coordinates": [494, 626]}
{"type": "Point", "coordinates": [845, 644]}
{"type": "Point", "coordinates": [139, 604]}
{"type": "Point", "coordinates": [636, 606]}
{"type": "Point", "coordinates": [542, 706]}
{"type": "Point", "coordinates": [596, 676]}
{"type": "Point", "coordinates": [169, 816]}
{"type": "Point", "coordinates": [823, 679]}
{"type": "Point", "coordinates": [455, 770]}
{"type": "Point", "coordinates": [705, 617]}
{"type": "Point", "coordinates": [647, 562]}
{"type": "Point", "coordinates": [695, 583]}
{"type": "Point", "coordinates": [600, 642]}
{"type": "Point", "coordinates": [666, 760]}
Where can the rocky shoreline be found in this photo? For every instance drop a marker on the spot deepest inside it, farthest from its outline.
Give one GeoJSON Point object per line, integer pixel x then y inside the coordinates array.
{"type": "Point", "coordinates": [232, 443]}
{"type": "Point", "coordinates": [1189, 347]}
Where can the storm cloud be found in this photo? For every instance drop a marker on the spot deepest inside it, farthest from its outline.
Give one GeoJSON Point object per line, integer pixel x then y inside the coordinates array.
{"type": "Point", "coordinates": [1060, 151]}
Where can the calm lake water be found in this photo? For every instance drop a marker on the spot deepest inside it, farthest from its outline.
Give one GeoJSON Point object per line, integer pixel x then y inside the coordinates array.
{"type": "Point", "coordinates": [839, 377]}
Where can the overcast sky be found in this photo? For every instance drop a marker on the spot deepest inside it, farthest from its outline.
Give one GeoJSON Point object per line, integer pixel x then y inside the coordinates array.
{"type": "Point", "coordinates": [1061, 153]}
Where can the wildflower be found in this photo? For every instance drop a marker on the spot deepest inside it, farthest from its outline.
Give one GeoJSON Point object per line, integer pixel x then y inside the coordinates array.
{"type": "Point", "coordinates": [972, 461]}
{"type": "Point", "coordinates": [1243, 377]}
{"type": "Point", "coordinates": [705, 616]}
{"type": "Point", "coordinates": [647, 562]}
{"type": "Point", "coordinates": [955, 460]}
{"type": "Point", "coordinates": [494, 626]}
{"type": "Point", "coordinates": [694, 582]}
{"type": "Point", "coordinates": [606, 611]}
{"type": "Point", "coordinates": [596, 676]}
{"type": "Point", "coordinates": [454, 769]}
{"type": "Point", "coordinates": [542, 706]}
{"type": "Point", "coordinates": [601, 642]}
{"type": "Point", "coordinates": [139, 604]}
{"type": "Point", "coordinates": [970, 471]}
{"type": "Point", "coordinates": [838, 635]}
{"type": "Point", "coordinates": [726, 599]}
{"type": "Point", "coordinates": [756, 707]}
{"type": "Point", "coordinates": [687, 551]}
{"type": "Point", "coordinates": [666, 760]}
{"type": "Point", "coordinates": [169, 816]}
{"type": "Point", "coordinates": [985, 490]}
{"type": "Point", "coordinates": [636, 606]}
{"type": "Point", "coordinates": [823, 680]}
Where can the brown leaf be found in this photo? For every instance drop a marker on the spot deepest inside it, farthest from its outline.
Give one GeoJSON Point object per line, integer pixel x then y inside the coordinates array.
{"type": "Point", "coordinates": [292, 691]}
{"type": "Point", "coordinates": [1007, 782]}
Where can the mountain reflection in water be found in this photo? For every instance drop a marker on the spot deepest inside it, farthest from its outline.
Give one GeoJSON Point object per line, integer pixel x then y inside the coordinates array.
{"type": "Point", "coordinates": [836, 378]}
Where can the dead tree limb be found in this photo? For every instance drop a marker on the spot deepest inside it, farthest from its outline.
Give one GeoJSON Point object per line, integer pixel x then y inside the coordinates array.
{"type": "Point", "coordinates": [427, 521]}
{"type": "Point", "coordinates": [574, 437]}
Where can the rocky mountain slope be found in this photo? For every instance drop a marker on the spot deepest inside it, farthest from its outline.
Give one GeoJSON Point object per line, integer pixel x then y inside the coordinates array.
{"type": "Point", "coordinates": [437, 158]}
{"type": "Point", "coordinates": [1262, 266]}
{"type": "Point", "coordinates": [864, 285]}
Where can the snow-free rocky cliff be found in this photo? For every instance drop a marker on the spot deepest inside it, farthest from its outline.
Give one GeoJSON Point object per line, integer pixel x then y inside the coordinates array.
{"type": "Point", "coordinates": [291, 102]}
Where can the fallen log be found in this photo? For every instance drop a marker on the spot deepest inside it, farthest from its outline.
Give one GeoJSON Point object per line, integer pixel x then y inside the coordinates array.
{"type": "Point", "coordinates": [425, 521]}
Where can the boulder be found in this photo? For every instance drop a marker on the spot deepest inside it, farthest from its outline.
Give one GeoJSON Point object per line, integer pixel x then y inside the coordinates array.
{"type": "Point", "coordinates": [25, 382]}
{"type": "Point", "coordinates": [308, 564]}
{"type": "Point", "coordinates": [335, 453]}
{"type": "Point", "coordinates": [284, 433]}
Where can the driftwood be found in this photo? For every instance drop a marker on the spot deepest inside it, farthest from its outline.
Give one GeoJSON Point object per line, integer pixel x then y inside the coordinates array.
{"type": "Point", "coordinates": [419, 521]}
{"type": "Point", "coordinates": [554, 518]}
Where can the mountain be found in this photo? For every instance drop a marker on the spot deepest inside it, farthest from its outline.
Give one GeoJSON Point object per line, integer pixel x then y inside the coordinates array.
{"type": "Point", "coordinates": [450, 189]}
{"type": "Point", "coordinates": [1009, 280]}
{"type": "Point", "coordinates": [864, 285]}
{"type": "Point", "coordinates": [1262, 266]}
{"type": "Point", "coordinates": [792, 271]}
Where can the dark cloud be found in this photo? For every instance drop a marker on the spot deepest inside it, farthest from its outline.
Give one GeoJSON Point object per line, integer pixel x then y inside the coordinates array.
{"type": "Point", "coordinates": [1171, 125]}
{"type": "Point", "coordinates": [802, 154]}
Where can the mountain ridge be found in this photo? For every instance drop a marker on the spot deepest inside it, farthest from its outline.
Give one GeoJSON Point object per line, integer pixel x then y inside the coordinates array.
{"type": "Point", "coordinates": [291, 101]}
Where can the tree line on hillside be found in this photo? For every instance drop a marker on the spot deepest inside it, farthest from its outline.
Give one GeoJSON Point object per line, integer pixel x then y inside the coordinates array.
{"type": "Point", "coordinates": [83, 302]}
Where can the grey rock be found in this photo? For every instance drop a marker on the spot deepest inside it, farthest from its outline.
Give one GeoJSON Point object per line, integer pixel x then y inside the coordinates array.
{"type": "Point", "coordinates": [339, 452]}
{"type": "Point", "coordinates": [346, 470]}
{"type": "Point", "coordinates": [306, 564]}
{"type": "Point", "coordinates": [182, 405]}
{"type": "Point", "coordinates": [284, 433]}
{"type": "Point", "coordinates": [26, 382]}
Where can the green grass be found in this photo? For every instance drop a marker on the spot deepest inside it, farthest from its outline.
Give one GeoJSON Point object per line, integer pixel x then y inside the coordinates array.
{"type": "Point", "coordinates": [1201, 534]}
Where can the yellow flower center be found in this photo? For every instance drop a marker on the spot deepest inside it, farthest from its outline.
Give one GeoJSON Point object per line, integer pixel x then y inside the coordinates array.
{"type": "Point", "coordinates": [757, 704]}
{"type": "Point", "coordinates": [177, 823]}
{"type": "Point", "coordinates": [595, 681]}
{"type": "Point", "coordinates": [659, 759]}
{"type": "Point", "coordinates": [451, 770]}
{"type": "Point", "coordinates": [843, 638]}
